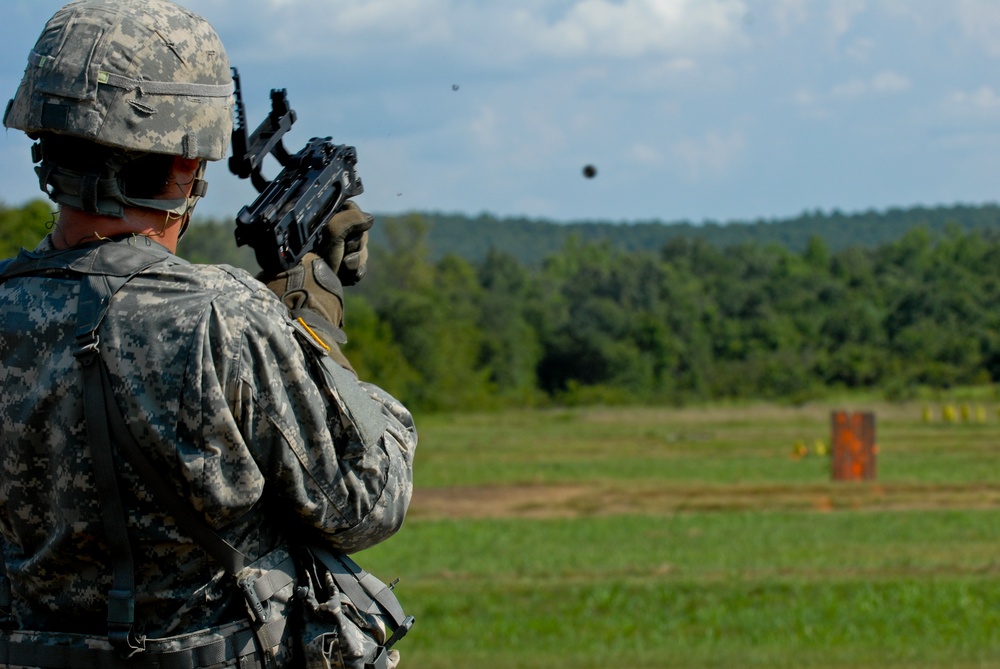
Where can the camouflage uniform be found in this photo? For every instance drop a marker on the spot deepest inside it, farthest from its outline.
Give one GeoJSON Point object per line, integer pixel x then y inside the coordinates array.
{"type": "Point", "coordinates": [223, 391]}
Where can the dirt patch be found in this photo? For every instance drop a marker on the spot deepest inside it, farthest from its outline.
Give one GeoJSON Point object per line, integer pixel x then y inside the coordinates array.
{"type": "Point", "coordinates": [497, 501]}
{"type": "Point", "coordinates": [602, 499]}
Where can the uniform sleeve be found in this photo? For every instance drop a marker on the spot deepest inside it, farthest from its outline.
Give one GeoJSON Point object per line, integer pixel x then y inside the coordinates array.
{"type": "Point", "coordinates": [336, 453]}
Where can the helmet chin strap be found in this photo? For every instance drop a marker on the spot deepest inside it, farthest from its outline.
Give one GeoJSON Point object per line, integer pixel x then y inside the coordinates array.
{"type": "Point", "coordinates": [103, 194]}
{"type": "Point", "coordinates": [177, 206]}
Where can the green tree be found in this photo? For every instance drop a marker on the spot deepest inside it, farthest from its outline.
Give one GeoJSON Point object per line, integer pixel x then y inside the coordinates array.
{"type": "Point", "coordinates": [24, 227]}
{"type": "Point", "coordinates": [432, 313]}
{"type": "Point", "coordinates": [373, 351]}
{"type": "Point", "coordinates": [511, 348]}
{"type": "Point", "coordinates": [213, 242]}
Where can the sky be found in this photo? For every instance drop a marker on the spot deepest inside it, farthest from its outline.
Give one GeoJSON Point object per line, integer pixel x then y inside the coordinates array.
{"type": "Point", "coordinates": [689, 110]}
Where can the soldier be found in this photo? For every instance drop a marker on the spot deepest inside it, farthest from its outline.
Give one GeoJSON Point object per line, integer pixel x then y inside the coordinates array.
{"type": "Point", "coordinates": [240, 398]}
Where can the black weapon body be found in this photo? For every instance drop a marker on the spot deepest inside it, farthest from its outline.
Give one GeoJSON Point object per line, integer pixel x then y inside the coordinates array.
{"type": "Point", "coordinates": [287, 220]}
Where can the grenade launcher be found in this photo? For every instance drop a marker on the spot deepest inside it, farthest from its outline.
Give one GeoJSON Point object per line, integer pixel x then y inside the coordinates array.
{"type": "Point", "coordinates": [287, 219]}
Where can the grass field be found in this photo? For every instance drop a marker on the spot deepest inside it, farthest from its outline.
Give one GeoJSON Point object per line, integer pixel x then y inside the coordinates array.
{"type": "Point", "coordinates": [699, 538]}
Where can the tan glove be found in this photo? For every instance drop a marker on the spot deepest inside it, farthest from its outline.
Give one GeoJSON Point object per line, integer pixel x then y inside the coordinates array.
{"type": "Point", "coordinates": [315, 297]}
{"type": "Point", "coordinates": [345, 247]}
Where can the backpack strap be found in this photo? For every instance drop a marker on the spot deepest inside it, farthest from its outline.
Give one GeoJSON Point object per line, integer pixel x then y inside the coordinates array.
{"type": "Point", "coordinates": [367, 592]}
{"type": "Point", "coordinates": [6, 599]}
{"type": "Point", "coordinates": [96, 291]}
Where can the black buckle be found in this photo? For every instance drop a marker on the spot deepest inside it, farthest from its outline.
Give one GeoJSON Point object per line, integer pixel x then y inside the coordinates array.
{"type": "Point", "coordinates": [88, 347]}
{"type": "Point", "coordinates": [125, 642]}
{"type": "Point", "coordinates": [259, 610]}
{"type": "Point", "coordinates": [380, 661]}
{"type": "Point", "coordinates": [121, 633]}
{"type": "Point", "coordinates": [400, 631]}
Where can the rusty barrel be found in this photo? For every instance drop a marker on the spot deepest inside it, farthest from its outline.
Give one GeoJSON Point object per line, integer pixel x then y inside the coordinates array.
{"type": "Point", "coordinates": [854, 449]}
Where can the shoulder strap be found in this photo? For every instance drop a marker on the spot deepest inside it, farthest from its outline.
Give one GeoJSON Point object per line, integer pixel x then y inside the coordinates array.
{"type": "Point", "coordinates": [367, 592]}
{"type": "Point", "coordinates": [106, 425]}
{"type": "Point", "coordinates": [96, 291]}
{"type": "Point", "coordinates": [122, 258]}
{"type": "Point", "coordinates": [94, 299]}
{"type": "Point", "coordinates": [6, 614]}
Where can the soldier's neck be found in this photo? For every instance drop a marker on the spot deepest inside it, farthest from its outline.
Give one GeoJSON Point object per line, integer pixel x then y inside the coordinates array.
{"type": "Point", "coordinates": [75, 227]}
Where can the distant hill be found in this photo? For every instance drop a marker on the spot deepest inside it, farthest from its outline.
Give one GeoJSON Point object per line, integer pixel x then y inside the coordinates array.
{"type": "Point", "coordinates": [532, 240]}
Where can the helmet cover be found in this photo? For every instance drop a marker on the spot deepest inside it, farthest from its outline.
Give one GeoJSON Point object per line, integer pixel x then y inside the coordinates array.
{"type": "Point", "coordinates": [139, 75]}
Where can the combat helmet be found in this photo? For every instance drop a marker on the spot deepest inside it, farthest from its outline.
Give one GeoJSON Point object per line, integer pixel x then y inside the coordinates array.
{"type": "Point", "coordinates": [137, 76]}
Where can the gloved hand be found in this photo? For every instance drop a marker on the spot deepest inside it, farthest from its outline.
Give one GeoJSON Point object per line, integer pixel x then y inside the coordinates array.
{"type": "Point", "coordinates": [345, 248]}
{"type": "Point", "coordinates": [314, 295]}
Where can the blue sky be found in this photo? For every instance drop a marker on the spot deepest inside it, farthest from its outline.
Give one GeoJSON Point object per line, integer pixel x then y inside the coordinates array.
{"type": "Point", "coordinates": [689, 109]}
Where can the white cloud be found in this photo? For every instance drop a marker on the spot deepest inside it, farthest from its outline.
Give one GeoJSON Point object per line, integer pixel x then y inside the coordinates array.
{"type": "Point", "coordinates": [967, 22]}
{"type": "Point", "coordinates": [812, 104]}
{"type": "Point", "coordinates": [980, 22]}
{"type": "Point", "coordinates": [645, 155]}
{"type": "Point", "coordinates": [805, 98]}
{"type": "Point", "coordinates": [882, 83]}
{"type": "Point", "coordinates": [981, 103]}
{"type": "Point", "coordinates": [788, 14]}
{"type": "Point", "coordinates": [889, 82]}
{"type": "Point", "coordinates": [710, 155]}
{"type": "Point", "coordinates": [485, 128]}
{"type": "Point", "coordinates": [842, 13]}
{"type": "Point", "coordinates": [498, 32]}
{"type": "Point", "coordinates": [860, 49]}
{"type": "Point", "coordinates": [855, 88]}
{"type": "Point", "coordinates": [632, 28]}
{"type": "Point", "coordinates": [423, 22]}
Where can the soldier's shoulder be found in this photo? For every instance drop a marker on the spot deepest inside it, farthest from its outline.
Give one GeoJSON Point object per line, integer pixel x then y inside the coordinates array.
{"type": "Point", "coordinates": [195, 288]}
{"type": "Point", "coordinates": [222, 274]}
{"type": "Point", "coordinates": [220, 281]}
{"type": "Point", "coordinates": [234, 288]}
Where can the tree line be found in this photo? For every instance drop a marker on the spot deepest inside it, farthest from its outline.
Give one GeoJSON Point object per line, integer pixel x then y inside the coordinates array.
{"type": "Point", "coordinates": [684, 321]}
{"type": "Point", "coordinates": [532, 241]}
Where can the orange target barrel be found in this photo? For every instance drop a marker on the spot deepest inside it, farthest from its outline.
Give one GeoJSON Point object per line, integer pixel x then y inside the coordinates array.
{"type": "Point", "coordinates": [854, 449]}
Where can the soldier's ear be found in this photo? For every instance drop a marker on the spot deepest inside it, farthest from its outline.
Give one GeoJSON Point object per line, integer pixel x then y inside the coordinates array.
{"type": "Point", "coordinates": [184, 170]}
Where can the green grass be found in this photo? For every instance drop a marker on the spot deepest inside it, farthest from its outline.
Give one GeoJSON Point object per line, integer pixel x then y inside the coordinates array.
{"type": "Point", "coordinates": [718, 445]}
{"type": "Point", "coordinates": [906, 577]}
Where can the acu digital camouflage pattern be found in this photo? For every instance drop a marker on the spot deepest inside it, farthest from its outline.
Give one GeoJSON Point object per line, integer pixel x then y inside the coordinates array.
{"type": "Point", "coordinates": [248, 419]}
{"type": "Point", "coordinates": [85, 651]}
{"type": "Point", "coordinates": [141, 75]}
